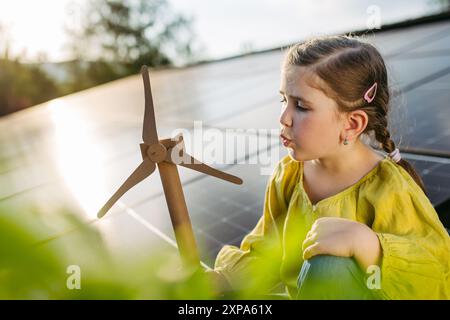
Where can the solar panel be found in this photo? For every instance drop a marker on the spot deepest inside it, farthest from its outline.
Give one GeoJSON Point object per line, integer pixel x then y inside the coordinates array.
{"type": "Point", "coordinates": [101, 128]}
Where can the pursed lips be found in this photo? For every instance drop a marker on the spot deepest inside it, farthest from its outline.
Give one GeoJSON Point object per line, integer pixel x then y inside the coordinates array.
{"type": "Point", "coordinates": [285, 140]}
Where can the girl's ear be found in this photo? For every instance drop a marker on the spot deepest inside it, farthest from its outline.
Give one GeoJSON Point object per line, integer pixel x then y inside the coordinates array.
{"type": "Point", "coordinates": [355, 123]}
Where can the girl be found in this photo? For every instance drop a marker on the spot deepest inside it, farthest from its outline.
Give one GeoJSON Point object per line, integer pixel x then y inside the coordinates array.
{"type": "Point", "coordinates": [340, 220]}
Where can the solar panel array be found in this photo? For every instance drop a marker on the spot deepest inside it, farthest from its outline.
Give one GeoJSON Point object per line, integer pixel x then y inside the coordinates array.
{"type": "Point", "coordinates": [64, 152]}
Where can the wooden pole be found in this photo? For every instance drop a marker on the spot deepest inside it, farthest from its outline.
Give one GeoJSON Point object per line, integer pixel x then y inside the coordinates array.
{"type": "Point", "coordinates": [179, 214]}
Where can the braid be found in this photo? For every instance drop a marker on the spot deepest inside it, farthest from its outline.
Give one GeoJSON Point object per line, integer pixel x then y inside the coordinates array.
{"type": "Point", "coordinates": [383, 136]}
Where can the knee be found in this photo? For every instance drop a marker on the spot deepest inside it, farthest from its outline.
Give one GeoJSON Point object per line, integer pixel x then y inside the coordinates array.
{"type": "Point", "coordinates": [329, 267]}
{"type": "Point", "coordinates": [326, 271]}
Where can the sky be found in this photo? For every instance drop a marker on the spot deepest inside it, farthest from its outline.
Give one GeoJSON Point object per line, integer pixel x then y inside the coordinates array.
{"type": "Point", "coordinates": [222, 28]}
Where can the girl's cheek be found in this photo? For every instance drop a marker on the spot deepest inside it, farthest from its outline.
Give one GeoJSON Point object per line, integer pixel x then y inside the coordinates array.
{"type": "Point", "coordinates": [303, 126]}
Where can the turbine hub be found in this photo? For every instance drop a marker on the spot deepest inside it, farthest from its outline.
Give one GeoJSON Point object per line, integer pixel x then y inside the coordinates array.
{"type": "Point", "coordinates": [157, 152]}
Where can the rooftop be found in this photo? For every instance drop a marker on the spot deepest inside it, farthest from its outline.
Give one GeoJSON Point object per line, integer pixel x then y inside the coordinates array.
{"type": "Point", "coordinates": [75, 151]}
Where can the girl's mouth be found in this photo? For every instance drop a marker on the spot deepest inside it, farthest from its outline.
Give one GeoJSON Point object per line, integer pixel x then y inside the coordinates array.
{"type": "Point", "coordinates": [286, 142]}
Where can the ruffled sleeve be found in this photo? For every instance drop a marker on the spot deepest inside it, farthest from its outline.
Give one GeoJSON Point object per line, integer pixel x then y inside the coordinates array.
{"type": "Point", "coordinates": [415, 245]}
{"type": "Point", "coordinates": [256, 264]}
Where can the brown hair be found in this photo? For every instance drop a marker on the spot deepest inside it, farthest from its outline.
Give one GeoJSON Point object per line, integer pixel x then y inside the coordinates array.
{"type": "Point", "coordinates": [346, 68]}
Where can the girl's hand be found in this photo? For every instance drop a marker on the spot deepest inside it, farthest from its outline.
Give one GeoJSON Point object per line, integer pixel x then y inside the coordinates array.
{"type": "Point", "coordinates": [343, 238]}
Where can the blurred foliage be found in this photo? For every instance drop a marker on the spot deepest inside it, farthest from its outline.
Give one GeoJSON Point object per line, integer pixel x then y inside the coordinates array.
{"type": "Point", "coordinates": [115, 38]}
{"type": "Point", "coordinates": [23, 85]}
{"type": "Point", "coordinates": [112, 39]}
{"type": "Point", "coordinates": [34, 268]}
{"type": "Point", "coordinates": [38, 245]}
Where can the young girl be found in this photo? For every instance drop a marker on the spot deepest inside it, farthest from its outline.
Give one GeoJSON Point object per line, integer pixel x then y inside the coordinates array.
{"type": "Point", "coordinates": [340, 220]}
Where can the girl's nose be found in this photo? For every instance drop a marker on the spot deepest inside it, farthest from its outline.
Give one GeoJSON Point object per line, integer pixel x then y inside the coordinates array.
{"type": "Point", "coordinates": [285, 117]}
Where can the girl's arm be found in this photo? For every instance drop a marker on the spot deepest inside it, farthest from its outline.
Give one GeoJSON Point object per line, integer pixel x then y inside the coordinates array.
{"type": "Point", "coordinates": [344, 238]}
{"type": "Point", "coordinates": [256, 263]}
{"type": "Point", "coordinates": [414, 258]}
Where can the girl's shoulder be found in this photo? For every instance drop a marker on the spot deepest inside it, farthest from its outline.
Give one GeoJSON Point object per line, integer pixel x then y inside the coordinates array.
{"type": "Point", "coordinates": [287, 169]}
{"type": "Point", "coordinates": [385, 174]}
{"type": "Point", "coordinates": [399, 202]}
{"type": "Point", "coordinates": [386, 179]}
{"type": "Point", "coordinates": [285, 177]}
{"type": "Point", "coordinates": [392, 181]}
{"type": "Point", "coordinates": [393, 177]}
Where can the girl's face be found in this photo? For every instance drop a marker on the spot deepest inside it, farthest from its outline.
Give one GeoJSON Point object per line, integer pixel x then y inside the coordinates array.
{"type": "Point", "coordinates": [310, 125]}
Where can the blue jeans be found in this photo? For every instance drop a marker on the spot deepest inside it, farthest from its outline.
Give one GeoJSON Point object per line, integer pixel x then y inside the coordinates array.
{"type": "Point", "coordinates": [327, 277]}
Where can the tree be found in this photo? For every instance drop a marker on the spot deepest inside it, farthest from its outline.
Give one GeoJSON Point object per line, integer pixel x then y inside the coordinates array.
{"type": "Point", "coordinates": [130, 33]}
{"type": "Point", "coordinates": [21, 85]}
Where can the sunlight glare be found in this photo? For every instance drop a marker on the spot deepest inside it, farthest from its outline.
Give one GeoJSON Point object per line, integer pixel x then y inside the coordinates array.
{"type": "Point", "coordinates": [78, 157]}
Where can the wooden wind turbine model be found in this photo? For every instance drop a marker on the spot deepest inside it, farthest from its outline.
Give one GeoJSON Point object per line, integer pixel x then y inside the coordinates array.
{"type": "Point", "coordinates": [167, 154]}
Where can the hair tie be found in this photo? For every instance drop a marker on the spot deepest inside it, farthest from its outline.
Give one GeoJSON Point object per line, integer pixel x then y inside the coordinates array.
{"type": "Point", "coordinates": [366, 95]}
{"type": "Point", "coordinates": [395, 155]}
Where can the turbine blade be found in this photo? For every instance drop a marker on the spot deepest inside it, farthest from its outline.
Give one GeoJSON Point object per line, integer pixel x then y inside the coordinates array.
{"type": "Point", "coordinates": [149, 133]}
{"type": "Point", "coordinates": [194, 164]}
{"type": "Point", "coordinates": [145, 169]}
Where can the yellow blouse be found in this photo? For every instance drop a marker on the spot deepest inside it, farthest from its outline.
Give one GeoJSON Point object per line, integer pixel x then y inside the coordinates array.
{"type": "Point", "coordinates": [416, 247]}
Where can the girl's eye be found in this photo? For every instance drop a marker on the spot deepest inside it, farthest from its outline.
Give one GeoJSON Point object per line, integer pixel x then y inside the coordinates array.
{"type": "Point", "coordinates": [301, 108]}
